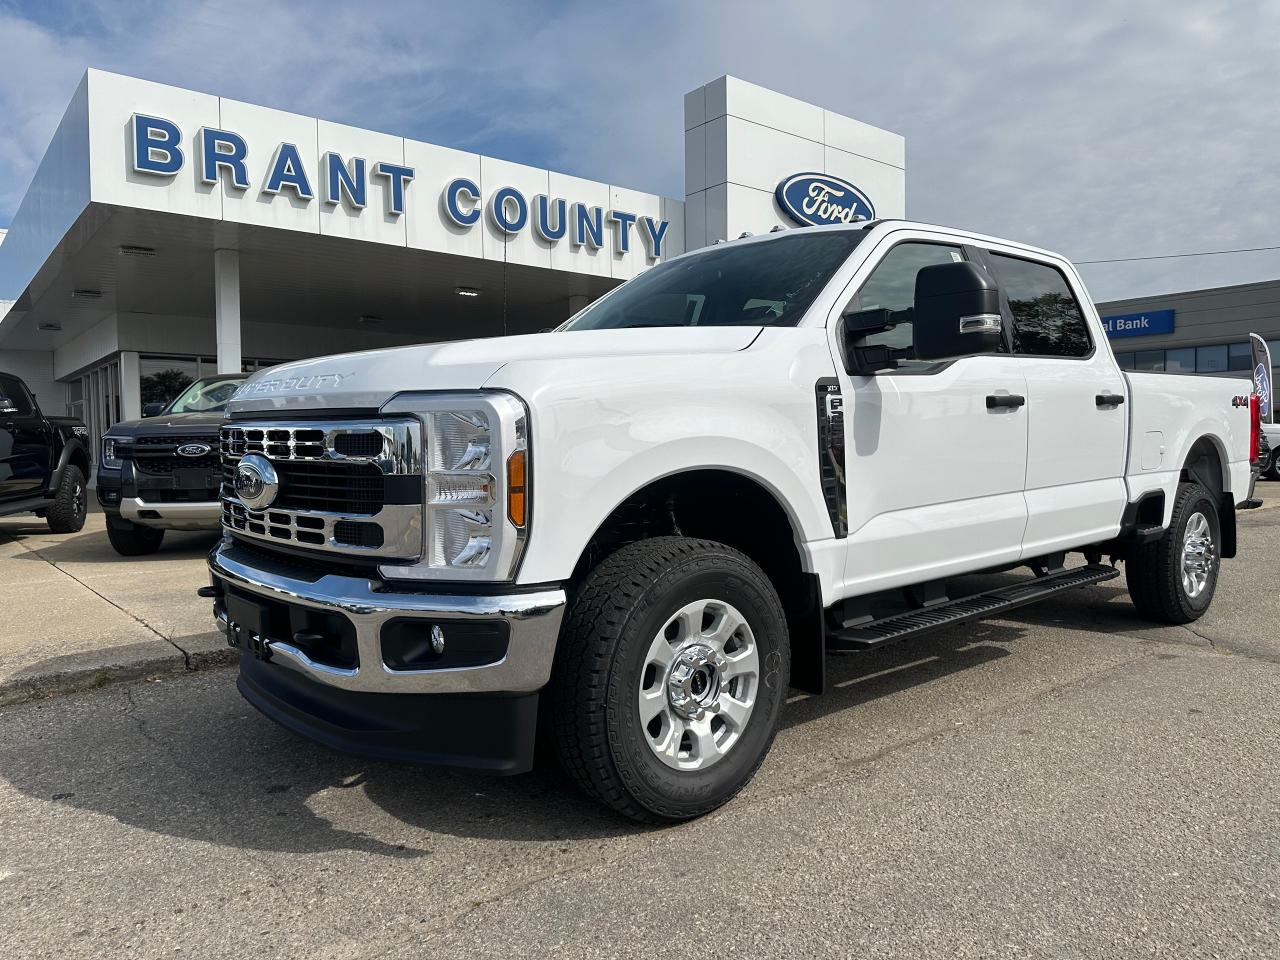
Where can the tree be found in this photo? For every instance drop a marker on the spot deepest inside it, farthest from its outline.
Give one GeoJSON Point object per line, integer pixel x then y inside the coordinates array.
{"type": "Point", "coordinates": [164, 385]}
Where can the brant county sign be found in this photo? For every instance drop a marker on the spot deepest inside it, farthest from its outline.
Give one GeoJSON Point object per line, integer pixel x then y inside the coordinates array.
{"type": "Point", "coordinates": [819, 198]}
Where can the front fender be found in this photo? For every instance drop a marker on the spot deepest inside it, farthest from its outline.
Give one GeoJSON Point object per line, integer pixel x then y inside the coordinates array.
{"type": "Point", "coordinates": [602, 430]}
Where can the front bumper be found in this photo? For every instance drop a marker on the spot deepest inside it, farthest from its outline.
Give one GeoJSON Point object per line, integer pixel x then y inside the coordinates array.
{"type": "Point", "coordinates": [172, 516]}
{"type": "Point", "coordinates": [321, 602]}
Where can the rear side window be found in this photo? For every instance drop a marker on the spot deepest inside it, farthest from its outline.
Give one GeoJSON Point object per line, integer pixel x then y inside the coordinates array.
{"type": "Point", "coordinates": [16, 394]}
{"type": "Point", "coordinates": [1047, 320]}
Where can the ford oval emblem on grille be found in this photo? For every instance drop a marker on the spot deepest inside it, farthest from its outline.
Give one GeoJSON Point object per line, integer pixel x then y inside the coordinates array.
{"type": "Point", "coordinates": [255, 481]}
{"type": "Point", "coordinates": [194, 450]}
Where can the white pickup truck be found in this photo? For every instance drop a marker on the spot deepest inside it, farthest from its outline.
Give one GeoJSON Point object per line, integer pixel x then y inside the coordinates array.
{"type": "Point", "coordinates": [634, 533]}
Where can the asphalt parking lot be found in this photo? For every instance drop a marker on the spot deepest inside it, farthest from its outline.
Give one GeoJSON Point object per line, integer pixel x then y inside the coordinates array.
{"type": "Point", "coordinates": [1071, 782]}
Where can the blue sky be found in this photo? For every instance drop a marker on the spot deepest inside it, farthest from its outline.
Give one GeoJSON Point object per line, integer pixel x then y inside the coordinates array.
{"type": "Point", "coordinates": [1098, 129]}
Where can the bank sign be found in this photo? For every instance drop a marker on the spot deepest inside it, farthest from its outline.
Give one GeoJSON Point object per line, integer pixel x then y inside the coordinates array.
{"type": "Point", "coordinates": [816, 199]}
{"type": "Point", "coordinates": [1143, 324]}
{"type": "Point", "coordinates": [222, 155]}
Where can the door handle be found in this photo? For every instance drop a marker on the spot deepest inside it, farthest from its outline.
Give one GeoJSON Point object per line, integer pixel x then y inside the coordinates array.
{"type": "Point", "coordinates": [995, 400]}
{"type": "Point", "coordinates": [1109, 399]}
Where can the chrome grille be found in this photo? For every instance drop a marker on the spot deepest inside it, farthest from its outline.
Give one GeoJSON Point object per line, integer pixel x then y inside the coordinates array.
{"type": "Point", "coordinates": [352, 487]}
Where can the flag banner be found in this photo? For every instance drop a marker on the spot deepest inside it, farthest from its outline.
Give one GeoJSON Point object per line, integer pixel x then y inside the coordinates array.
{"type": "Point", "coordinates": [1262, 378]}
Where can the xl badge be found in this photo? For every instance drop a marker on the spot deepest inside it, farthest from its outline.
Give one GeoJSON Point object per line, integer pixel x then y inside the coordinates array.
{"type": "Point", "coordinates": [256, 481]}
{"type": "Point", "coordinates": [194, 450]}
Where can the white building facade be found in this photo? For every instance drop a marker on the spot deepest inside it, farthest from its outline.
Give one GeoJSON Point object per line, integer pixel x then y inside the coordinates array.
{"type": "Point", "coordinates": [169, 234]}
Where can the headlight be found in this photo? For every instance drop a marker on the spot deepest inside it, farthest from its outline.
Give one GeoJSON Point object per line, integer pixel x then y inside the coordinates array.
{"type": "Point", "coordinates": [109, 458]}
{"type": "Point", "coordinates": [476, 496]}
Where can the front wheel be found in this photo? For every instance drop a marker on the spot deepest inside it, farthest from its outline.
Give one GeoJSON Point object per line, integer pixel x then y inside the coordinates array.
{"type": "Point", "coordinates": [70, 504]}
{"type": "Point", "coordinates": [1173, 579]}
{"type": "Point", "coordinates": [670, 676]}
{"type": "Point", "coordinates": [133, 540]}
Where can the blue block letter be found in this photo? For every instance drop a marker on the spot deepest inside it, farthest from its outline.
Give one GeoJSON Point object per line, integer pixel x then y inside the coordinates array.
{"type": "Point", "coordinates": [223, 150]}
{"type": "Point", "coordinates": [287, 171]}
{"type": "Point", "coordinates": [498, 207]}
{"type": "Point", "coordinates": [588, 226]}
{"type": "Point", "coordinates": [398, 178]}
{"type": "Point", "coordinates": [342, 179]}
{"type": "Point", "coordinates": [542, 223]}
{"type": "Point", "coordinates": [656, 233]}
{"type": "Point", "coordinates": [622, 239]}
{"type": "Point", "coordinates": [155, 145]}
{"type": "Point", "coordinates": [463, 190]}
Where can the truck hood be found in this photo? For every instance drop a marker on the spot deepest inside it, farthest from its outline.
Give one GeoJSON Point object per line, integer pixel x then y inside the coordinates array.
{"type": "Point", "coordinates": [171, 424]}
{"type": "Point", "coordinates": [365, 381]}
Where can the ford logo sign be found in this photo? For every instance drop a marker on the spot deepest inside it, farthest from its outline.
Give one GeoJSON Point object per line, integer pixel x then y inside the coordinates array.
{"type": "Point", "coordinates": [255, 481]}
{"type": "Point", "coordinates": [814, 199]}
{"type": "Point", "coordinates": [194, 450]}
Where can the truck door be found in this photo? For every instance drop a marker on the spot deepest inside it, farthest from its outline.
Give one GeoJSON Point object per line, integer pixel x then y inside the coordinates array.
{"type": "Point", "coordinates": [934, 474]}
{"type": "Point", "coordinates": [1075, 413]}
{"type": "Point", "coordinates": [24, 448]}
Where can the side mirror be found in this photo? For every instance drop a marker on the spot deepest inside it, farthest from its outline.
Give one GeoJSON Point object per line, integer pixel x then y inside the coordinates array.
{"type": "Point", "coordinates": [153, 409]}
{"type": "Point", "coordinates": [6, 406]}
{"type": "Point", "coordinates": [957, 312]}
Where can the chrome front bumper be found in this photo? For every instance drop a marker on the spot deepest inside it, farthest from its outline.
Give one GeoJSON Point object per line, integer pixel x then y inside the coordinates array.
{"type": "Point", "coordinates": [172, 516]}
{"type": "Point", "coordinates": [533, 620]}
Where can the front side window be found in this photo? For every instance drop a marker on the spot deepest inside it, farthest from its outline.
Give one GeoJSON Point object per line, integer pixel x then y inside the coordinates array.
{"type": "Point", "coordinates": [892, 286]}
{"type": "Point", "coordinates": [1047, 320]}
{"type": "Point", "coordinates": [16, 395]}
{"type": "Point", "coordinates": [205, 396]}
{"type": "Point", "coordinates": [770, 283]}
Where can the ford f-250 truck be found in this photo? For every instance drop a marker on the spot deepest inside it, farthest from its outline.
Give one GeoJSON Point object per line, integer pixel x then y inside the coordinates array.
{"type": "Point", "coordinates": [636, 531]}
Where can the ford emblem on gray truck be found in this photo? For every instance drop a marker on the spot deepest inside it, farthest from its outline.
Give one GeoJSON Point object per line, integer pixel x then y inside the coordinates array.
{"type": "Point", "coordinates": [633, 534]}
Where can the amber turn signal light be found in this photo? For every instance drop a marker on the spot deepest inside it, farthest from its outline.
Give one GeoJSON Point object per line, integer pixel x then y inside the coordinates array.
{"type": "Point", "coordinates": [516, 498]}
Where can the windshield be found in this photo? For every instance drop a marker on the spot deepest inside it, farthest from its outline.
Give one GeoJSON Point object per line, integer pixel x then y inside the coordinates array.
{"type": "Point", "coordinates": [205, 395]}
{"type": "Point", "coordinates": [735, 285]}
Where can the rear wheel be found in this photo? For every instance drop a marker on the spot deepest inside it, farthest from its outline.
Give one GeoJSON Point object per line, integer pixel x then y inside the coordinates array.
{"type": "Point", "coordinates": [672, 670]}
{"type": "Point", "coordinates": [1272, 469]}
{"type": "Point", "coordinates": [1174, 578]}
{"type": "Point", "coordinates": [70, 503]}
{"type": "Point", "coordinates": [132, 540]}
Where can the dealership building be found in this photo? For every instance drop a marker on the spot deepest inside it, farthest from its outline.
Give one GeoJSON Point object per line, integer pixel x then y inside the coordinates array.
{"type": "Point", "coordinates": [1197, 331]}
{"type": "Point", "coordinates": [169, 234]}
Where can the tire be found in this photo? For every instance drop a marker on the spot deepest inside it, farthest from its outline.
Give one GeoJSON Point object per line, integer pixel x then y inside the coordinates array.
{"type": "Point", "coordinates": [132, 540]}
{"type": "Point", "coordinates": [1272, 469]}
{"type": "Point", "coordinates": [1157, 584]}
{"type": "Point", "coordinates": [70, 504]}
{"type": "Point", "coordinates": [644, 627]}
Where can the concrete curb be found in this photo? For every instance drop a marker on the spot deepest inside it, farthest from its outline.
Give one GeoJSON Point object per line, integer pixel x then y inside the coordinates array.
{"type": "Point", "coordinates": [76, 673]}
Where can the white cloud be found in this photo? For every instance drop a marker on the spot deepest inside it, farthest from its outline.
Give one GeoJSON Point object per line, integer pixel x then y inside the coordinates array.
{"type": "Point", "coordinates": [1096, 129]}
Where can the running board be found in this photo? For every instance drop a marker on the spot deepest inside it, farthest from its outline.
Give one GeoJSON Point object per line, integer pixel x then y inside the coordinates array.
{"type": "Point", "coordinates": [878, 633]}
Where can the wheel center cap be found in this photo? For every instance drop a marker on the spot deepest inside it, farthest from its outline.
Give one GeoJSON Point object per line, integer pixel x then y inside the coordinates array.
{"type": "Point", "coordinates": [693, 685]}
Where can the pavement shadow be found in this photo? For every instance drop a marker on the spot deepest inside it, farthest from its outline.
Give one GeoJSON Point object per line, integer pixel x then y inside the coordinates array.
{"type": "Point", "coordinates": [188, 758]}
{"type": "Point", "coordinates": [92, 546]}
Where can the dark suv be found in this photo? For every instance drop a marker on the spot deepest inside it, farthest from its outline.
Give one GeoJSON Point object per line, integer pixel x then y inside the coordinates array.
{"type": "Point", "coordinates": [162, 472]}
{"type": "Point", "coordinates": [43, 460]}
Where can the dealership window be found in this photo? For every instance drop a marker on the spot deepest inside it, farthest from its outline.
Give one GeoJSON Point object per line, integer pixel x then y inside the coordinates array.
{"type": "Point", "coordinates": [1047, 320]}
{"type": "Point", "coordinates": [1240, 356]}
{"type": "Point", "coordinates": [1148, 360]}
{"type": "Point", "coordinates": [1125, 360]}
{"type": "Point", "coordinates": [1181, 360]}
{"type": "Point", "coordinates": [1274, 347]}
{"type": "Point", "coordinates": [1211, 359]}
{"type": "Point", "coordinates": [163, 378]}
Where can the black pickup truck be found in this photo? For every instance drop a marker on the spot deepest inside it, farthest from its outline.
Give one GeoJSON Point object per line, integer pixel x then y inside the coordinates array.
{"type": "Point", "coordinates": [44, 461]}
{"type": "Point", "coordinates": [163, 472]}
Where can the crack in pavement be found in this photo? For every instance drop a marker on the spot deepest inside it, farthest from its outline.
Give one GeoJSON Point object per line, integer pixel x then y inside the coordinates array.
{"type": "Point", "coordinates": [186, 657]}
